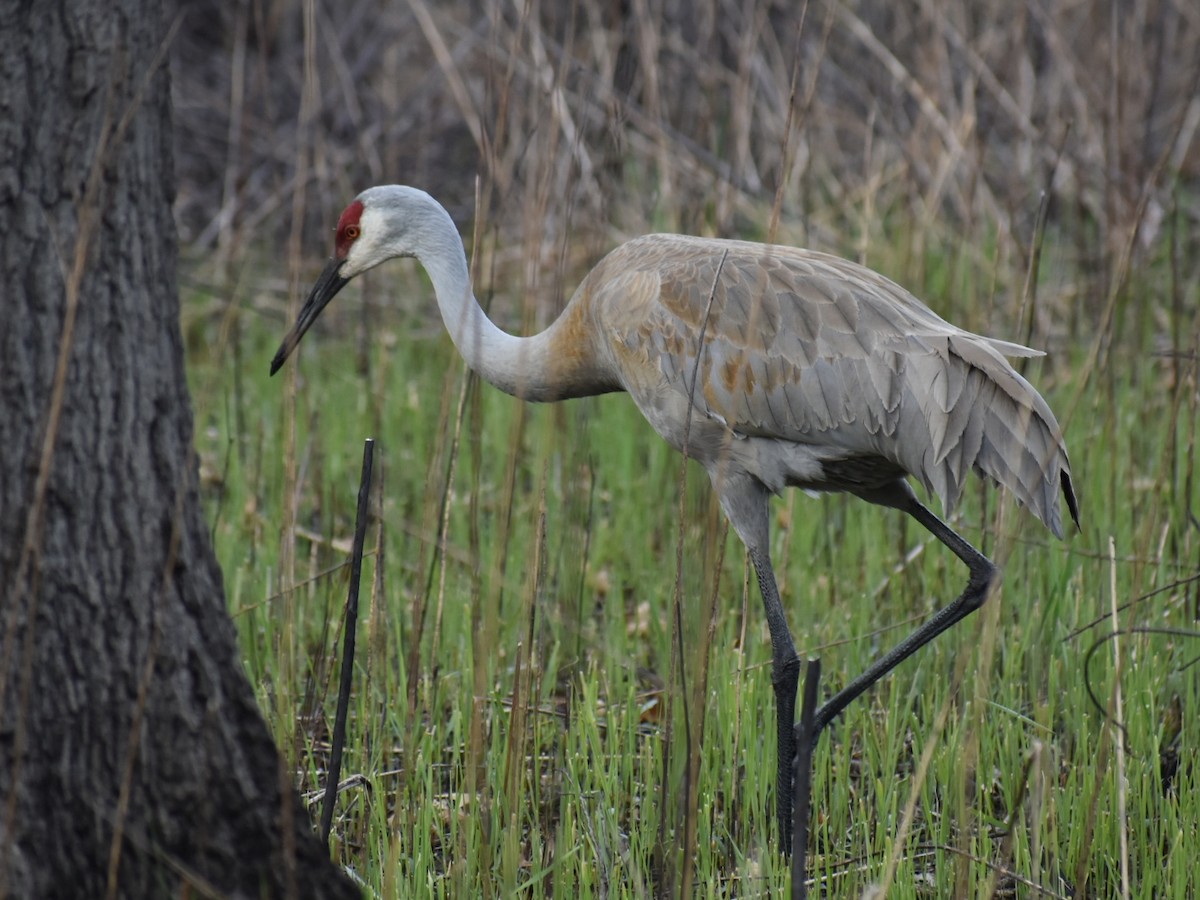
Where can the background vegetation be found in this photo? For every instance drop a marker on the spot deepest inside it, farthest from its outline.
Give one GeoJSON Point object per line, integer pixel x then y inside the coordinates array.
{"type": "Point", "coordinates": [524, 721]}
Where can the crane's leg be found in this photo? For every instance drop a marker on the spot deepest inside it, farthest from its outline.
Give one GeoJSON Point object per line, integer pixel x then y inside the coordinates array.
{"type": "Point", "coordinates": [982, 574]}
{"type": "Point", "coordinates": [785, 675]}
{"type": "Point", "coordinates": [745, 502]}
{"type": "Point", "coordinates": [802, 781]}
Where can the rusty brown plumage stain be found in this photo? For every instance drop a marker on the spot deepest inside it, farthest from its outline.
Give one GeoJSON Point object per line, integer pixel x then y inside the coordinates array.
{"type": "Point", "coordinates": [749, 382]}
{"type": "Point", "coordinates": [729, 373]}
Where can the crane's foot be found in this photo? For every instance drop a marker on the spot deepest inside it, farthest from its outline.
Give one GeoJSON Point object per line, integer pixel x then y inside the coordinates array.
{"type": "Point", "coordinates": [807, 732]}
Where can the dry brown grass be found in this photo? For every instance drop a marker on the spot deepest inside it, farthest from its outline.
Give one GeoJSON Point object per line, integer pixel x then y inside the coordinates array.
{"type": "Point", "coordinates": [585, 117]}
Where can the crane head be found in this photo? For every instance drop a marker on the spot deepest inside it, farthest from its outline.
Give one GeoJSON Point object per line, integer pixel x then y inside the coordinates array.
{"type": "Point", "coordinates": [382, 223]}
{"type": "Point", "coordinates": [337, 273]}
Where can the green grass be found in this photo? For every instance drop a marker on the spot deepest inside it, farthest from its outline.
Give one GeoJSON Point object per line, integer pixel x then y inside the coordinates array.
{"type": "Point", "coordinates": [518, 723]}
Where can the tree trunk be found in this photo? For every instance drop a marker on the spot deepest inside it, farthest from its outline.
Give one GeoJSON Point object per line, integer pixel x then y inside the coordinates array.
{"type": "Point", "coordinates": [133, 759]}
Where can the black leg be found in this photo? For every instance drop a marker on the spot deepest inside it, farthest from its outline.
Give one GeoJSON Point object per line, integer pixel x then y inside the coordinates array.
{"type": "Point", "coordinates": [745, 501]}
{"type": "Point", "coordinates": [978, 584]}
{"type": "Point", "coordinates": [802, 779]}
{"type": "Point", "coordinates": [808, 730]}
{"type": "Point", "coordinates": [785, 675]}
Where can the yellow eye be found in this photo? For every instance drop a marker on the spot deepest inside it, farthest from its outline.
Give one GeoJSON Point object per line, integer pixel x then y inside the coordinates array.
{"type": "Point", "coordinates": [352, 232]}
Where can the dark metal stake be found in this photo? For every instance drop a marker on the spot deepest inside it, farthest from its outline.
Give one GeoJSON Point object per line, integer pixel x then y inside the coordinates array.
{"type": "Point", "coordinates": [806, 739]}
{"type": "Point", "coordinates": [339, 723]}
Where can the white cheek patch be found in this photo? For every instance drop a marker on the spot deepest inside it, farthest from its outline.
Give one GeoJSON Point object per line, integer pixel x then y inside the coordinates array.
{"type": "Point", "coordinates": [365, 252]}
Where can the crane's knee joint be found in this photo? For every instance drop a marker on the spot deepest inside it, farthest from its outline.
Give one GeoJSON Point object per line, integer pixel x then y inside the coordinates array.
{"type": "Point", "coordinates": [983, 579]}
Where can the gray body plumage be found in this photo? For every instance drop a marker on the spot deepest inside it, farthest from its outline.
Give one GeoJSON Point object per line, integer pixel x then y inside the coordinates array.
{"type": "Point", "coordinates": [818, 373]}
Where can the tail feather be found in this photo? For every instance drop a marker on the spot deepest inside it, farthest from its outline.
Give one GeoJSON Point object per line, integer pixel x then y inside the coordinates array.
{"type": "Point", "coordinates": [1000, 426]}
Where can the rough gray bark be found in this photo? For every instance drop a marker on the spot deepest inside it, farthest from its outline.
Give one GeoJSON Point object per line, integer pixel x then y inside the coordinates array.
{"type": "Point", "coordinates": [133, 759]}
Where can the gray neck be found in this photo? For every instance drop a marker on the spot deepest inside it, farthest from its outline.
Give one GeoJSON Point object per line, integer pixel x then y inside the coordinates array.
{"type": "Point", "coordinates": [520, 366]}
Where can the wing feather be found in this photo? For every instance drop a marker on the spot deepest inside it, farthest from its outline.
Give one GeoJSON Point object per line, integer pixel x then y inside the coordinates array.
{"type": "Point", "coordinates": [807, 348]}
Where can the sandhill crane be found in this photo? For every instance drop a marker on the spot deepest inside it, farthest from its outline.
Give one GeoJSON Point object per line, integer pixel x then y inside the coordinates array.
{"type": "Point", "coordinates": [772, 367]}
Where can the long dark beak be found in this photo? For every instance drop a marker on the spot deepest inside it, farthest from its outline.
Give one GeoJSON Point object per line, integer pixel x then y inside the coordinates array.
{"type": "Point", "coordinates": [327, 285]}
